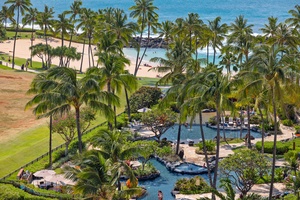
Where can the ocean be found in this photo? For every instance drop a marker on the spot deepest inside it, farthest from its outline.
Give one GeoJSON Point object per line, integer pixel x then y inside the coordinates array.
{"type": "Point", "coordinates": [255, 11]}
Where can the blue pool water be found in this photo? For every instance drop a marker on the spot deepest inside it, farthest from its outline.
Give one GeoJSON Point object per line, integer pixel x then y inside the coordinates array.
{"type": "Point", "coordinates": [165, 182]}
{"type": "Point", "coordinates": [193, 133]}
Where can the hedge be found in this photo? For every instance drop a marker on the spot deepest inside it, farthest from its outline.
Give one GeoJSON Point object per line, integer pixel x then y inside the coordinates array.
{"type": "Point", "coordinates": [281, 148]}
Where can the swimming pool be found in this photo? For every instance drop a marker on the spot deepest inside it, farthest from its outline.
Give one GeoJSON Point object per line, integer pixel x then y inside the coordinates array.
{"type": "Point", "coordinates": [193, 133]}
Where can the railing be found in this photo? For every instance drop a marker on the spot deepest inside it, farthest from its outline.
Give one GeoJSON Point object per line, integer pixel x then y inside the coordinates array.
{"type": "Point", "coordinates": [54, 149]}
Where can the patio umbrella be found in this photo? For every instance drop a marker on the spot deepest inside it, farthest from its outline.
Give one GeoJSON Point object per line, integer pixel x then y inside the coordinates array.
{"type": "Point", "coordinates": [143, 110]}
{"type": "Point", "coordinates": [44, 173]}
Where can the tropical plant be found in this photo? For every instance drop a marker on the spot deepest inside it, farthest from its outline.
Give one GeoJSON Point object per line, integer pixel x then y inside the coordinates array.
{"type": "Point", "coordinates": [6, 14]}
{"type": "Point", "coordinates": [30, 18]}
{"type": "Point", "coordinates": [247, 165]}
{"type": "Point", "coordinates": [144, 11]}
{"type": "Point", "coordinates": [21, 6]}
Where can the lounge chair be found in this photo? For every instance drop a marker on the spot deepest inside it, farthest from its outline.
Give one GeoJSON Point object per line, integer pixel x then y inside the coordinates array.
{"type": "Point", "coordinates": [222, 120]}
{"type": "Point", "coordinates": [230, 122]}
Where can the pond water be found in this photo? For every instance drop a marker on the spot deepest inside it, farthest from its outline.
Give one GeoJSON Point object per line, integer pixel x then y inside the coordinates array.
{"type": "Point", "coordinates": [193, 133]}
{"type": "Point", "coordinates": [165, 182]}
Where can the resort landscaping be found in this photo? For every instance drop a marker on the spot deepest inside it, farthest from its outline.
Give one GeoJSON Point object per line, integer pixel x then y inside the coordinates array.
{"type": "Point", "coordinates": [93, 128]}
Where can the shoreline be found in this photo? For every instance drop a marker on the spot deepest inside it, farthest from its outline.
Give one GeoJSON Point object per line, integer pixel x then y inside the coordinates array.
{"type": "Point", "coordinates": [22, 51]}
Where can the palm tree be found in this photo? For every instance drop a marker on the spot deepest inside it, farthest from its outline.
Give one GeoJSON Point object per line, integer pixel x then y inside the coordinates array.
{"type": "Point", "coordinates": [270, 72]}
{"type": "Point", "coordinates": [144, 11]}
{"type": "Point", "coordinates": [218, 32]}
{"type": "Point", "coordinates": [21, 6]}
{"type": "Point", "coordinates": [62, 25]}
{"type": "Point", "coordinates": [115, 148]}
{"type": "Point", "coordinates": [120, 27]}
{"type": "Point", "coordinates": [75, 10]}
{"type": "Point", "coordinates": [86, 22]}
{"type": "Point", "coordinates": [6, 14]}
{"type": "Point", "coordinates": [45, 21]}
{"type": "Point", "coordinates": [30, 18]}
{"type": "Point", "coordinates": [240, 37]}
{"type": "Point", "coordinates": [294, 21]}
{"type": "Point", "coordinates": [165, 30]}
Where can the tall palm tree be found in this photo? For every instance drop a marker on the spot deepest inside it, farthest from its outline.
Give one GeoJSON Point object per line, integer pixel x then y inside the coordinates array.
{"type": "Point", "coordinates": [75, 10]}
{"type": "Point", "coordinates": [6, 14]}
{"type": "Point", "coordinates": [45, 21]}
{"type": "Point", "coordinates": [218, 32]}
{"type": "Point", "coordinates": [294, 21]}
{"type": "Point", "coordinates": [86, 22]}
{"type": "Point", "coordinates": [120, 27]}
{"type": "Point", "coordinates": [270, 71]}
{"type": "Point", "coordinates": [30, 18]}
{"type": "Point", "coordinates": [241, 38]}
{"type": "Point", "coordinates": [165, 30]}
{"type": "Point", "coordinates": [62, 25]}
{"type": "Point", "coordinates": [21, 6]}
{"type": "Point", "coordinates": [144, 11]}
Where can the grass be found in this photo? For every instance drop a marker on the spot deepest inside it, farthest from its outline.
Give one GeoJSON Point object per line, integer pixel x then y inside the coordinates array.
{"type": "Point", "coordinates": [5, 68]}
{"type": "Point", "coordinates": [24, 148]}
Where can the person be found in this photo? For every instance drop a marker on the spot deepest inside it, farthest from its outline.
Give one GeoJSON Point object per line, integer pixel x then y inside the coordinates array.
{"type": "Point", "coordinates": [22, 67]}
{"type": "Point", "coordinates": [160, 195]}
{"type": "Point", "coordinates": [204, 165]}
{"type": "Point", "coordinates": [26, 66]}
{"type": "Point", "coordinates": [9, 59]}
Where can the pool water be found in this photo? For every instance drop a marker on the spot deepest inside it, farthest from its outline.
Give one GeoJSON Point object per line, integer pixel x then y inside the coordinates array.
{"type": "Point", "coordinates": [193, 133]}
{"type": "Point", "coordinates": [190, 168]}
{"type": "Point", "coordinates": [165, 182]}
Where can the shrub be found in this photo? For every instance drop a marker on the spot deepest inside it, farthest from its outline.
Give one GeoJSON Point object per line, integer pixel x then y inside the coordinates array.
{"type": "Point", "coordinates": [287, 122]}
{"type": "Point", "coordinates": [212, 121]}
{"type": "Point", "coordinates": [196, 185]}
{"type": "Point", "coordinates": [297, 127]}
{"type": "Point", "coordinates": [210, 145]}
{"type": "Point", "coordinates": [281, 149]}
{"type": "Point", "coordinates": [144, 97]}
{"type": "Point", "coordinates": [254, 119]}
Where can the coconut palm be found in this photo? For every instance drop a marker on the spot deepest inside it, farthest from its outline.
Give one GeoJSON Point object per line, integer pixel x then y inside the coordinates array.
{"type": "Point", "coordinates": [45, 21]}
{"type": "Point", "coordinates": [218, 32]}
{"type": "Point", "coordinates": [74, 11]}
{"type": "Point", "coordinates": [241, 38]}
{"type": "Point", "coordinates": [86, 22]}
{"type": "Point", "coordinates": [270, 72]}
{"type": "Point", "coordinates": [294, 21]}
{"type": "Point", "coordinates": [62, 25]}
{"type": "Point", "coordinates": [120, 27]}
{"type": "Point", "coordinates": [144, 11]}
{"type": "Point", "coordinates": [6, 14]}
{"type": "Point", "coordinates": [21, 6]}
{"type": "Point", "coordinates": [115, 148]}
{"type": "Point", "coordinates": [165, 30]}
{"type": "Point", "coordinates": [30, 18]}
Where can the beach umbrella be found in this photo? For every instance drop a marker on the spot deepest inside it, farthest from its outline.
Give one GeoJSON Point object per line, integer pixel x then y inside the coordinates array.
{"type": "Point", "coordinates": [43, 173]}
{"type": "Point", "coordinates": [143, 110]}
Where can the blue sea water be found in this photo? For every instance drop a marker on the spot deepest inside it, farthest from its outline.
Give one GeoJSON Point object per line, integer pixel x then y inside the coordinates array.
{"type": "Point", "coordinates": [255, 11]}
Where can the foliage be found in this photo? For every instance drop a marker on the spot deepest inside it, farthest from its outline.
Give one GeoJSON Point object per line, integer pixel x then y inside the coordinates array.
{"type": "Point", "coordinates": [196, 185]}
{"type": "Point", "coordinates": [254, 119]}
{"type": "Point", "coordinates": [10, 192]}
{"type": "Point", "coordinates": [281, 147]}
{"type": "Point", "coordinates": [159, 121]}
{"type": "Point", "coordinates": [297, 128]}
{"type": "Point", "coordinates": [247, 165]}
{"type": "Point", "coordinates": [144, 97]}
{"type": "Point", "coordinates": [210, 145]}
{"type": "Point", "coordinates": [287, 122]}
{"type": "Point", "coordinates": [164, 151]}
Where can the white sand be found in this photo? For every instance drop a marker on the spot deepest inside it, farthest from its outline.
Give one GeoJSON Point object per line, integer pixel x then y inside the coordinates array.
{"type": "Point", "coordinates": [22, 51]}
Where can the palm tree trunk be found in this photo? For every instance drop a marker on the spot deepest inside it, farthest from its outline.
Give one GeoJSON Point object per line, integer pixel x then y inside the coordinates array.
{"type": "Point", "coordinates": [139, 47]}
{"type": "Point", "coordinates": [262, 131]}
{"type": "Point", "coordinates": [148, 40]}
{"type": "Point", "coordinates": [82, 56]}
{"type": "Point", "coordinates": [15, 40]}
{"type": "Point", "coordinates": [31, 43]}
{"type": "Point", "coordinates": [178, 138]}
{"type": "Point", "coordinates": [62, 49]}
{"type": "Point", "coordinates": [128, 104]}
{"type": "Point", "coordinates": [274, 144]}
{"type": "Point", "coordinates": [78, 130]}
{"type": "Point", "coordinates": [204, 149]}
{"type": "Point", "coordinates": [218, 148]}
{"type": "Point", "coordinates": [248, 128]}
{"type": "Point", "coordinates": [50, 142]}
{"type": "Point", "coordinates": [207, 54]}
{"type": "Point", "coordinates": [89, 52]}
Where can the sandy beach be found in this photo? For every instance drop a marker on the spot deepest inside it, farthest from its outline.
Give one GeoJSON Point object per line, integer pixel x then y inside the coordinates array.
{"type": "Point", "coordinates": [22, 51]}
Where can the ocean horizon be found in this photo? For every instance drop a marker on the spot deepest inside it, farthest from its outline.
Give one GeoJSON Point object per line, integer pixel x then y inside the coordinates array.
{"type": "Point", "coordinates": [255, 11]}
